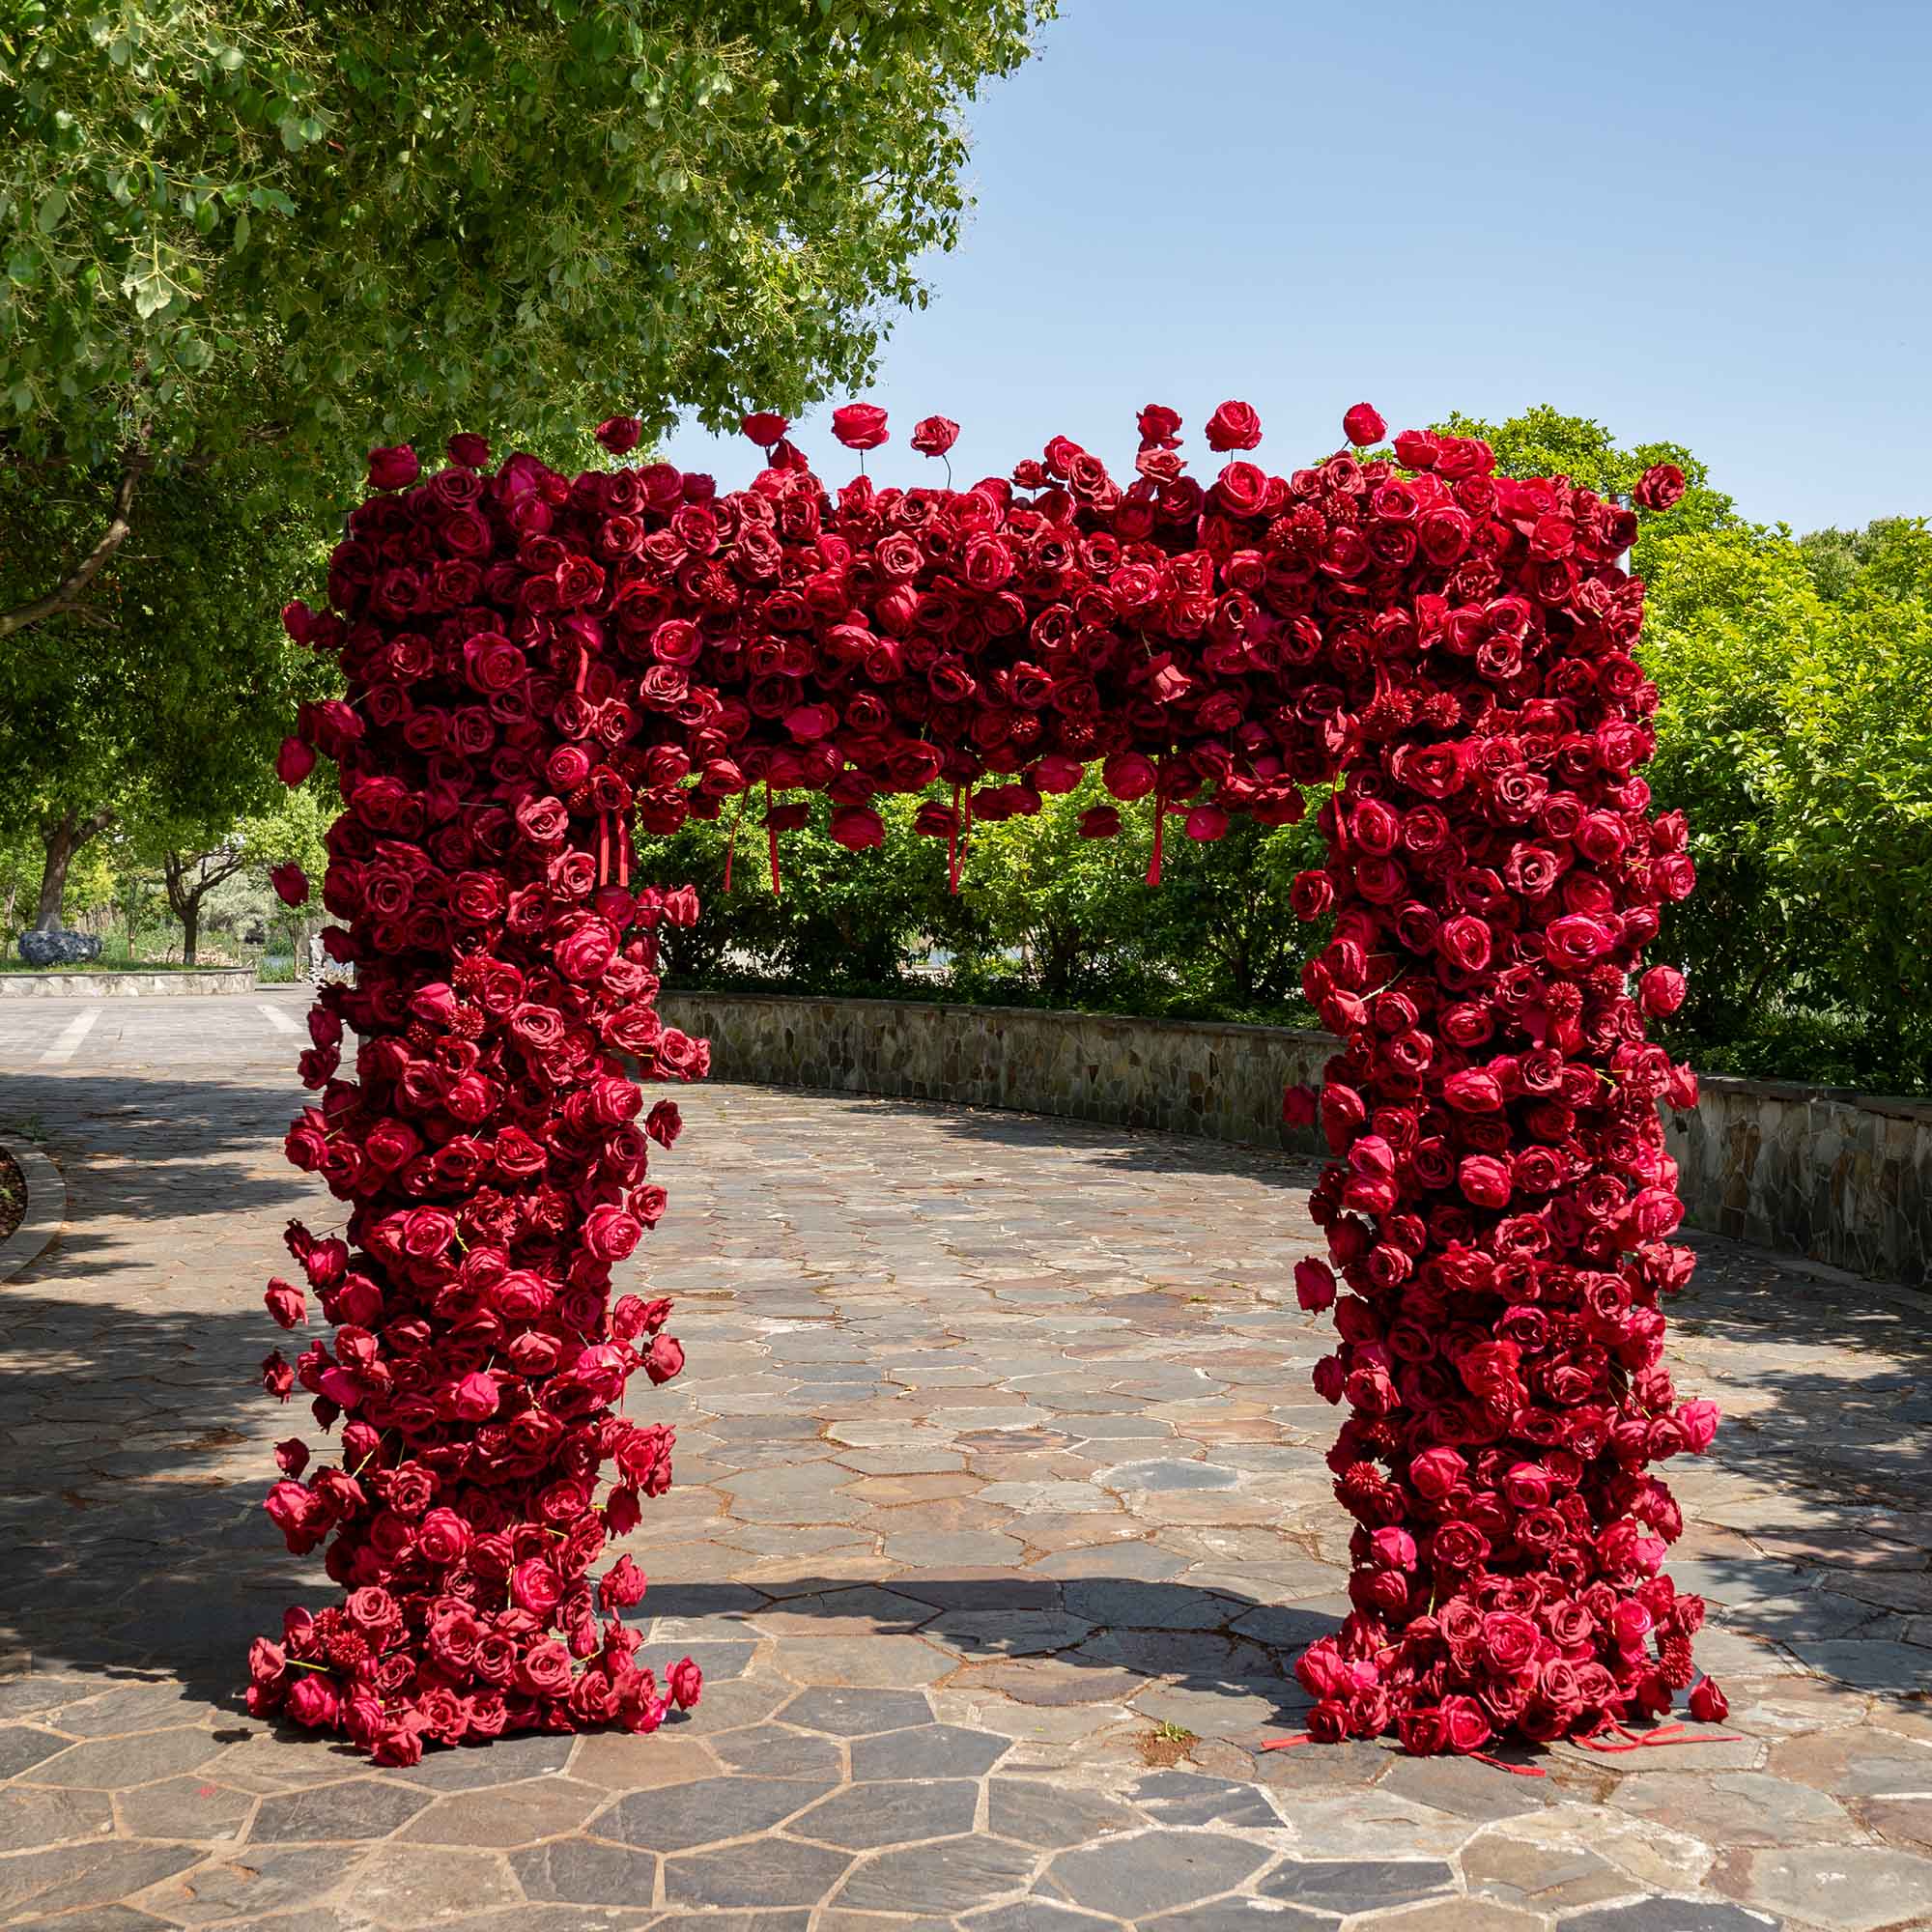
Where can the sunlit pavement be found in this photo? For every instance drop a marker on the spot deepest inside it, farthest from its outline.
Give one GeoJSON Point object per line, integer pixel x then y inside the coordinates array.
{"type": "Point", "coordinates": [999, 1476]}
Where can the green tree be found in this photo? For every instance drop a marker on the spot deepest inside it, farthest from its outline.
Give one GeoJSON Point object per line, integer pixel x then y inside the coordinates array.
{"type": "Point", "coordinates": [161, 722]}
{"type": "Point", "coordinates": [282, 229]}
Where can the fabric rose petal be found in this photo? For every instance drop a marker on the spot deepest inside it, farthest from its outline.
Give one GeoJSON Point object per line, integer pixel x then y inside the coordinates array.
{"type": "Point", "coordinates": [539, 668]}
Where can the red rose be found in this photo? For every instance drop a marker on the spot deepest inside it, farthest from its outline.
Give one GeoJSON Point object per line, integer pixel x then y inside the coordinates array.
{"type": "Point", "coordinates": [620, 435]}
{"type": "Point", "coordinates": [472, 452]}
{"type": "Point", "coordinates": [685, 1681]}
{"type": "Point", "coordinates": [935, 436]}
{"type": "Point", "coordinates": [1659, 487]}
{"type": "Point", "coordinates": [291, 883]}
{"type": "Point", "coordinates": [1234, 426]}
{"type": "Point", "coordinates": [1362, 426]}
{"type": "Point", "coordinates": [393, 468]}
{"type": "Point", "coordinates": [764, 428]}
{"type": "Point", "coordinates": [858, 425]}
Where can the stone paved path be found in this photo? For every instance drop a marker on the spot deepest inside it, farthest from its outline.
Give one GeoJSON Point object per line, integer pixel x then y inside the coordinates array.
{"type": "Point", "coordinates": [999, 1476]}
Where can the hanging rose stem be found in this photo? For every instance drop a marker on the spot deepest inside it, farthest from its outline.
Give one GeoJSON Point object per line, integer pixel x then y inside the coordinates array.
{"type": "Point", "coordinates": [731, 840]}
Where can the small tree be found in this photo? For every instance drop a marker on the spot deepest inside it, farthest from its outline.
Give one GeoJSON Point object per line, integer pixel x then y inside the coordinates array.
{"type": "Point", "coordinates": [190, 877]}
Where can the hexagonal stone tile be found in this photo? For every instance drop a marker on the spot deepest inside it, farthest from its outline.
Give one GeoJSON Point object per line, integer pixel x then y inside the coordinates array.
{"type": "Point", "coordinates": [358, 1808]}
{"type": "Point", "coordinates": [503, 1761]}
{"type": "Point", "coordinates": [1154, 1871]}
{"type": "Point", "coordinates": [1737, 1807]}
{"type": "Point", "coordinates": [1052, 1815]}
{"type": "Point", "coordinates": [506, 1815]}
{"type": "Point", "coordinates": [184, 1807]}
{"type": "Point", "coordinates": [771, 1750]}
{"type": "Point", "coordinates": [134, 1707]}
{"type": "Point", "coordinates": [1009, 1633]}
{"type": "Point", "coordinates": [274, 1878]}
{"type": "Point", "coordinates": [1356, 1885]}
{"type": "Point", "coordinates": [1546, 1876]}
{"type": "Point", "coordinates": [864, 1661]}
{"type": "Point", "coordinates": [748, 1701]}
{"type": "Point", "coordinates": [868, 1817]}
{"type": "Point", "coordinates": [842, 1712]}
{"type": "Point", "coordinates": [1167, 1473]}
{"type": "Point", "coordinates": [580, 1871]}
{"type": "Point", "coordinates": [1852, 1889]}
{"type": "Point", "coordinates": [928, 1751]}
{"type": "Point", "coordinates": [1032, 1915]}
{"type": "Point", "coordinates": [707, 1812]}
{"type": "Point", "coordinates": [1129, 1602]}
{"type": "Point", "coordinates": [1670, 1915]}
{"type": "Point", "coordinates": [411, 1885]}
{"type": "Point", "coordinates": [1468, 1789]}
{"type": "Point", "coordinates": [1185, 1798]}
{"type": "Point", "coordinates": [72, 1876]}
{"type": "Point", "coordinates": [951, 1876]}
{"type": "Point", "coordinates": [770, 1872]}
{"type": "Point", "coordinates": [1857, 1763]}
{"type": "Point", "coordinates": [1869, 1665]}
{"type": "Point", "coordinates": [34, 1816]}
{"type": "Point", "coordinates": [112, 1764]}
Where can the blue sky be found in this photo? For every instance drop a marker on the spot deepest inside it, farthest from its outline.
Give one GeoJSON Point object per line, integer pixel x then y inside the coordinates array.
{"type": "Point", "coordinates": [1699, 221]}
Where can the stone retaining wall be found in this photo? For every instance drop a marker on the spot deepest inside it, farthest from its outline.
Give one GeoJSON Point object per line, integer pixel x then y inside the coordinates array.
{"type": "Point", "coordinates": [125, 985]}
{"type": "Point", "coordinates": [1839, 1178]}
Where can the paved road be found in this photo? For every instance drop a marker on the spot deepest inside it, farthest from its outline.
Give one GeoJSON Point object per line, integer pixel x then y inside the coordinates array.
{"type": "Point", "coordinates": [999, 1474]}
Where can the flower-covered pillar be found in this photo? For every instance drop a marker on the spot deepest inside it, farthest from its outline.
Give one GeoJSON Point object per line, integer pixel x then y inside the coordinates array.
{"type": "Point", "coordinates": [536, 663]}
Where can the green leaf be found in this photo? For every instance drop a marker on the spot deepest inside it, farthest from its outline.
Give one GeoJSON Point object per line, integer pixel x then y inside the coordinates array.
{"type": "Point", "coordinates": [53, 205]}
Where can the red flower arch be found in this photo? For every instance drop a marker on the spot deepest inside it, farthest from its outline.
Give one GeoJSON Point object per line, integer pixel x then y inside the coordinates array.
{"type": "Point", "coordinates": [536, 664]}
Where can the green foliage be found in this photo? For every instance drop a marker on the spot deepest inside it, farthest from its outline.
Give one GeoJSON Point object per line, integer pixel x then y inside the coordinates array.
{"type": "Point", "coordinates": [169, 712]}
{"type": "Point", "coordinates": [1796, 733]}
{"type": "Point", "coordinates": [231, 221]}
{"type": "Point", "coordinates": [839, 919]}
{"type": "Point", "coordinates": [1042, 916]}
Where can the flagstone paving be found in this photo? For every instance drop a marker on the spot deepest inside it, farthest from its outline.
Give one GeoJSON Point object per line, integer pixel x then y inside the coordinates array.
{"type": "Point", "coordinates": [1000, 1484]}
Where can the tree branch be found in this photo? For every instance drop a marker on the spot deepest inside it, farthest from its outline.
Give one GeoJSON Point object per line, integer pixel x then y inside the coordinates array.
{"type": "Point", "coordinates": [65, 596]}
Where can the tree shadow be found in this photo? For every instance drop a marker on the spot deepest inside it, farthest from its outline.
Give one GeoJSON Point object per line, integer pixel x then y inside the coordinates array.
{"type": "Point", "coordinates": [1040, 1639]}
{"type": "Point", "coordinates": [1112, 1148]}
{"type": "Point", "coordinates": [139, 1432]}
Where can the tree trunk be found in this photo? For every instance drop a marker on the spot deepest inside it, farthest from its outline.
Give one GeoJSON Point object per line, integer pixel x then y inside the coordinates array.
{"type": "Point", "coordinates": [63, 839]}
{"type": "Point", "coordinates": [190, 920]}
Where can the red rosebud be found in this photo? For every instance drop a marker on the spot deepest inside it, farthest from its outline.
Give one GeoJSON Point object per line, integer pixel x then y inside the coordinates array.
{"type": "Point", "coordinates": [620, 435]}
{"type": "Point", "coordinates": [1708, 1703]}
{"type": "Point", "coordinates": [685, 1681]}
{"type": "Point", "coordinates": [858, 425]}
{"type": "Point", "coordinates": [764, 428]}
{"type": "Point", "coordinates": [935, 436]}
{"type": "Point", "coordinates": [1234, 426]}
{"type": "Point", "coordinates": [293, 762]}
{"type": "Point", "coordinates": [291, 883]}
{"type": "Point", "coordinates": [1362, 426]}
